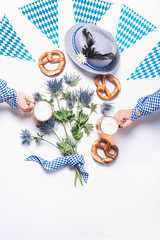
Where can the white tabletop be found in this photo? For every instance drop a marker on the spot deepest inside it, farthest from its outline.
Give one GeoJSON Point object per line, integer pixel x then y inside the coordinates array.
{"type": "Point", "coordinates": [120, 201]}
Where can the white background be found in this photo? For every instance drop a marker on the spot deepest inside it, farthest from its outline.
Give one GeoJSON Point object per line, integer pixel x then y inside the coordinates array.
{"type": "Point", "coordinates": [120, 201]}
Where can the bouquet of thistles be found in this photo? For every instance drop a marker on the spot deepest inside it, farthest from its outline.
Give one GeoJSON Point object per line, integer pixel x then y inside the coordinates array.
{"type": "Point", "coordinates": [74, 108]}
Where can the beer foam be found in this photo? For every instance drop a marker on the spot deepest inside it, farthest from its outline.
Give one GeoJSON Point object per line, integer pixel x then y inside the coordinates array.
{"type": "Point", "coordinates": [43, 111]}
{"type": "Point", "coordinates": [109, 125]}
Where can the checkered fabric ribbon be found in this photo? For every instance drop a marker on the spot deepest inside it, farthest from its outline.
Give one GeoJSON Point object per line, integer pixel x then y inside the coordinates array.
{"type": "Point", "coordinates": [150, 66]}
{"type": "Point", "coordinates": [10, 43]}
{"type": "Point", "coordinates": [44, 15]}
{"type": "Point", "coordinates": [89, 11]}
{"type": "Point", "coordinates": [8, 95]}
{"type": "Point", "coordinates": [71, 160]}
{"type": "Point", "coordinates": [131, 27]}
{"type": "Point", "coordinates": [146, 105]}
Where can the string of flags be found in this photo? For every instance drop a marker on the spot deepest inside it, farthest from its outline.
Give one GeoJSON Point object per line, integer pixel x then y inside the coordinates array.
{"type": "Point", "coordinates": [10, 43]}
{"type": "Point", "coordinates": [89, 11]}
{"type": "Point", "coordinates": [44, 15]}
{"type": "Point", "coordinates": [131, 27]}
{"type": "Point", "coordinates": [150, 66]}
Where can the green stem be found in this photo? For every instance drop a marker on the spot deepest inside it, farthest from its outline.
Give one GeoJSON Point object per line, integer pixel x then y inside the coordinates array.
{"type": "Point", "coordinates": [56, 135]}
{"type": "Point", "coordinates": [49, 142]}
{"type": "Point", "coordinates": [58, 101]}
{"type": "Point", "coordinates": [77, 170]}
{"type": "Point", "coordinates": [79, 175]}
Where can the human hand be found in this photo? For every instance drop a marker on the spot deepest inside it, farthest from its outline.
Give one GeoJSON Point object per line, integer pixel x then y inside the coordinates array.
{"type": "Point", "coordinates": [25, 102]}
{"type": "Point", "coordinates": [123, 118]}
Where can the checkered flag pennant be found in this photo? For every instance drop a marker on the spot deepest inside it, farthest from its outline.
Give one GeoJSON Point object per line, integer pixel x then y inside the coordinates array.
{"type": "Point", "coordinates": [131, 27]}
{"type": "Point", "coordinates": [71, 160]}
{"type": "Point", "coordinates": [150, 66]}
{"type": "Point", "coordinates": [10, 43]}
{"type": "Point", "coordinates": [44, 15]}
{"type": "Point", "coordinates": [89, 11]}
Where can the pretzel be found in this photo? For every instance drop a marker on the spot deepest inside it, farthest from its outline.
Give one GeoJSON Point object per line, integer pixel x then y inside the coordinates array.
{"type": "Point", "coordinates": [47, 57]}
{"type": "Point", "coordinates": [101, 88]}
{"type": "Point", "coordinates": [106, 146]}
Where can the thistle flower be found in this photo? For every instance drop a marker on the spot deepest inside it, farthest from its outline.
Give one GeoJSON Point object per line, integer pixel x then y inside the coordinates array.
{"type": "Point", "coordinates": [54, 86]}
{"type": "Point", "coordinates": [71, 79]}
{"type": "Point", "coordinates": [86, 97]}
{"type": "Point", "coordinates": [106, 108]}
{"type": "Point", "coordinates": [46, 127]}
{"type": "Point", "coordinates": [37, 97]}
{"type": "Point", "coordinates": [71, 101]}
{"type": "Point", "coordinates": [26, 137]}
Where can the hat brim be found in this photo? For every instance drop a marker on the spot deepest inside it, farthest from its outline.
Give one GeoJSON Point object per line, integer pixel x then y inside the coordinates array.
{"type": "Point", "coordinates": [72, 54]}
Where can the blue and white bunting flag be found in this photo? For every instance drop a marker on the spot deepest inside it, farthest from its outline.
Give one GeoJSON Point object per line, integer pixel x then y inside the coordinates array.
{"type": "Point", "coordinates": [44, 15]}
{"type": "Point", "coordinates": [150, 66]}
{"type": "Point", "coordinates": [10, 43]}
{"type": "Point", "coordinates": [131, 27]}
{"type": "Point", "coordinates": [89, 11]}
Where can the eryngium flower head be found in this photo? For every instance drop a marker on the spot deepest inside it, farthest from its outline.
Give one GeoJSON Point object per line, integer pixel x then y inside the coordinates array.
{"type": "Point", "coordinates": [86, 96]}
{"type": "Point", "coordinates": [25, 136]}
{"type": "Point", "coordinates": [37, 97]}
{"type": "Point", "coordinates": [71, 101]}
{"type": "Point", "coordinates": [106, 108]}
{"type": "Point", "coordinates": [46, 127]}
{"type": "Point", "coordinates": [54, 86]}
{"type": "Point", "coordinates": [71, 80]}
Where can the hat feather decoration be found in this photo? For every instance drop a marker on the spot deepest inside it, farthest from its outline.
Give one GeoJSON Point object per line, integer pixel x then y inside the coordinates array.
{"type": "Point", "coordinates": [90, 51]}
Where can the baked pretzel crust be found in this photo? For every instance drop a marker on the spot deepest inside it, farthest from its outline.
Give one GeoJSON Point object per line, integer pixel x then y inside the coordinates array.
{"type": "Point", "coordinates": [47, 57]}
{"type": "Point", "coordinates": [106, 146]}
{"type": "Point", "coordinates": [102, 90]}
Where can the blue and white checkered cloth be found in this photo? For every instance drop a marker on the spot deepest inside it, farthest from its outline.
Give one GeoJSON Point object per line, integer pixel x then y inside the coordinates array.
{"type": "Point", "coordinates": [146, 105]}
{"type": "Point", "coordinates": [10, 43]}
{"type": "Point", "coordinates": [71, 160]}
{"type": "Point", "coordinates": [89, 11]}
{"type": "Point", "coordinates": [131, 27]}
{"type": "Point", "coordinates": [150, 66]}
{"type": "Point", "coordinates": [44, 15]}
{"type": "Point", "coordinates": [8, 95]}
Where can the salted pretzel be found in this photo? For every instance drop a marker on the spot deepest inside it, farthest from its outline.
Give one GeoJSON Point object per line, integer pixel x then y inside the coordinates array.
{"type": "Point", "coordinates": [106, 146]}
{"type": "Point", "coordinates": [102, 89]}
{"type": "Point", "coordinates": [47, 57]}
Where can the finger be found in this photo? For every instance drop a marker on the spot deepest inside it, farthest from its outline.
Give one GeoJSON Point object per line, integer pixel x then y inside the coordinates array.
{"type": "Point", "coordinates": [29, 99]}
{"type": "Point", "coordinates": [126, 123]}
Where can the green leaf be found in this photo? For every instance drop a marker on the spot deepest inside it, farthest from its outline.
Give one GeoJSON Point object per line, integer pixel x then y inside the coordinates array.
{"type": "Point", "coordinates": [87, 128]}
{"type": "Point", "coordinates": [64, 115]}
{"type": "Point", "coordinates": [82, 118]}
{"type": "Point", "coordinates": [75, 130]}
{"type": "Point", "coordinates": [64, 147]}
{"type": "Point", "coordinates": [66, 95]}
{"type": "Point", "coordinates": [93, 107]}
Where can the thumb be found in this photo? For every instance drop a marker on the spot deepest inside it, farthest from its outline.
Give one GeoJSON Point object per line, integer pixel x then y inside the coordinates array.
{"type": "Point", "coordinates": [29, 99]}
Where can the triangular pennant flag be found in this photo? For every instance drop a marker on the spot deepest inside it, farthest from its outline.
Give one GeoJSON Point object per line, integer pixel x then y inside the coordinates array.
{"type": "Point", "coordinates": [10, 43]}
{"type": "Point", "coordinates": [44, 15]}
{"type": "Point", "coordinates": [89, 11]}
{"type": "Point", "coordinates": [150, 66]}
{"type": "Point", "coordinates": [131, 27]}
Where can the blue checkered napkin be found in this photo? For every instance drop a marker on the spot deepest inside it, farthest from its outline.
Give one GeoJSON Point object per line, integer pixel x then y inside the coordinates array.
{"type": "Point", "coordinates": [150, 66]}
{"type": "Point", "coordinates": [44, 15]}
{"type": "Point", "coordinates": [10, 43]}
{"type": "Point", "coordinates": [146, 105]}
{"type": "Point", "coordinates": [72, 160]}
{"type": "Point", "coordinates": [131, 27]}
{"type": "Point", "coordinates": [8, 95]}
{"type": "Point", "coordinates": [89, 11]}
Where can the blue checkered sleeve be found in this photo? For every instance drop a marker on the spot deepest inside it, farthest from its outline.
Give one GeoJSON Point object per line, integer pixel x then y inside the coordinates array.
{"type": "Point", "coordinates": [146, 105]}
{"type": "Point", "coordinates": [8, 95]}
